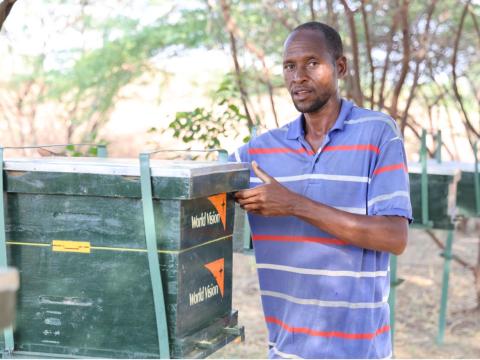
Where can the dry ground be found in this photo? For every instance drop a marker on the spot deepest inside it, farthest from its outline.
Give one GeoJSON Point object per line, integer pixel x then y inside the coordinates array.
{"type": "Point", "coordinates": [418, 302]}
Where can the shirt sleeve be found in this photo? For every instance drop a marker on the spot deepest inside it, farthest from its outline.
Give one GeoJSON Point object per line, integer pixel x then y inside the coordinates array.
{"type": "Point", "coordinates": [389, 189]}
{"type": "Point", "coordinates": [240, 155]}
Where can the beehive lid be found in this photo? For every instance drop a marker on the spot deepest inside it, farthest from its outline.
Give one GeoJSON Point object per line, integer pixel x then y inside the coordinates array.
{"type": "Point", "coordinates": [121, 176]}
{"type": "Point", "coordinates": [120, 166]}
{"type": "Point", "coordinates": [435, 168]}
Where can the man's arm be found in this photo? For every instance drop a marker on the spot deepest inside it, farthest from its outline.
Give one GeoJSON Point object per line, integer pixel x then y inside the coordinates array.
{"type": "Point", "coordinates": [383, 233]}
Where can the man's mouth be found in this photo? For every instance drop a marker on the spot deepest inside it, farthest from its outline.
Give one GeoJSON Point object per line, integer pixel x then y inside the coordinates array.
{"type": "Point", "coordinates": [301, 93]}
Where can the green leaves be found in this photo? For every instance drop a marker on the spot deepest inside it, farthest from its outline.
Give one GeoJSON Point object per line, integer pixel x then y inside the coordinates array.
{"type": "Point", "coordinates": [207, 125]}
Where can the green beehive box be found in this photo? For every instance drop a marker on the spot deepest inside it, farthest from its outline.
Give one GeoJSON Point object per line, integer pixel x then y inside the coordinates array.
{"type": "Point", "coordinates": [75, 230]}
{"type": "Point", "coordinates": [466, 199]}
{"type": "Point", "coordinates": [442, 192]}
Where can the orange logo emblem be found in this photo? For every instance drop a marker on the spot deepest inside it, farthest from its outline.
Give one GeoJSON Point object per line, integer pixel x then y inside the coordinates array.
{"type": "Point", "coordinates": [217, 268]}
{"type": "Point", "coordinates": [220, 203]}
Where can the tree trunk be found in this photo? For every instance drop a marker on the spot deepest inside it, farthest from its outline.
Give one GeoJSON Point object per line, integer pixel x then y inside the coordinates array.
{"type": "Point", "coordinates": [5, 7]}
{"type": "Point", "coordinates": [358, 95]}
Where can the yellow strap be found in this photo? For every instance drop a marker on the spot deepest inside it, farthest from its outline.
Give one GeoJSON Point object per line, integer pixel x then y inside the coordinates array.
{"type": "Point", "coordinates": [85, 246]}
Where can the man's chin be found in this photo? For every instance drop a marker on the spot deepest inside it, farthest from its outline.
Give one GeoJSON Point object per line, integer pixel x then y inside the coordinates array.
{"type": "Point", "coordinates": [309, 108]}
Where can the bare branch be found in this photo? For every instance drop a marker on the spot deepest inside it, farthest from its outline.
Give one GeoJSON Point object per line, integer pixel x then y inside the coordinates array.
{"type": "Point", "coordinates": [369, 53]}
{"type": "Point", "coordinates": [423, 50]}
{"type": "Point", "coordinates": [455, 258]}
{"type": "Point", "coordinates": [386, 65]}
{"type": "Point", "coordinates": [332, 18]}
{"type": "Point", "coordinates": [312, 10]}
{"type": "Point", "coordinates": [475, 23]}
{"type": "Point", "coordinates": [235, 32]}
{"type": "Point", "coordinates": [358, 95]}
{"type": "Point", "coordinates": [5, 8]}
{"type": "Point", "coordinates": [405, 59]}
{"type": "Point", "coordinates": [233, 47]}
{"type": "Point", "coordinates": [277, 13]}
{"type": "Point", "coordinates": [467, 122]}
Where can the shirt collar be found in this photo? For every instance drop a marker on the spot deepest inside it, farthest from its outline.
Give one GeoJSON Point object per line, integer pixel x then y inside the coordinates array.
{"type": "Point", "coordinates": [296, 128]}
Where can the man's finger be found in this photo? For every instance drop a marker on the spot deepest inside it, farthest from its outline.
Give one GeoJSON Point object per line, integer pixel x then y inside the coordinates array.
{"type": "Point", "coordinates": [262, 175]}
{"type": "Point", "coordinates": [250, 200]}
{"type": "Point", "coordinates": [245, 194]}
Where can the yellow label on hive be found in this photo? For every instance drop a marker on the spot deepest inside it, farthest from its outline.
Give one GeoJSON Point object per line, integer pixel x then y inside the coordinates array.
{"type": "Point", "coordinates": [71, 246]}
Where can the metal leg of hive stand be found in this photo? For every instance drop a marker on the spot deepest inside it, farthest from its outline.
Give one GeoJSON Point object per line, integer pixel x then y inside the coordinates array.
{"type": "Point", "coordinates": [8, 332]}
{"type": "Point", "coordinates": [392, 298]}
{"type": "Point", "coordinates": [246, 233]}
{"type": "Point", "coordinates": [102, 151]}
{"type": "Point", "coordinates": [153, 261]}
{"type": "Point", "coordinates": [446, 274]}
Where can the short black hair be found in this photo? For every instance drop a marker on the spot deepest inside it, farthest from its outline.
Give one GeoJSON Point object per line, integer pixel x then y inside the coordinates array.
{"type": "Point", "coordinates": [332, 37]}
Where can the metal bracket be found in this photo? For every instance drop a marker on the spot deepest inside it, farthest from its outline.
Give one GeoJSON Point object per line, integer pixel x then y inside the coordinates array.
{"type": "Point", "coordinates": [153, 261]}
{"type": "Point", "coordinates": [397, 282]}
{"type": "Point", "coordinates": [236, 331]}
{"type": "Point", "coordinates": [446, 255]}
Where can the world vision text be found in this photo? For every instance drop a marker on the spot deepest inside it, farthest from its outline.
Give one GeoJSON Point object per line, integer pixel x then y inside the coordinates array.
{"type": "Point", "coordinates": [203, 293]}
{"type": "Point", "coordinates": [204, 219]}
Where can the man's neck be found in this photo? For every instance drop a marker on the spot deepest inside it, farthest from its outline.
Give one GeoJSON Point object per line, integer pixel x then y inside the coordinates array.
{"type": "Point", "coordinates": [318, 124]}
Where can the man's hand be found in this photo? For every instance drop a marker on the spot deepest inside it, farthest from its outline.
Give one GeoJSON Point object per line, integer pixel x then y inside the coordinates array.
{"type": "Point", "coordinates": [268, 199]}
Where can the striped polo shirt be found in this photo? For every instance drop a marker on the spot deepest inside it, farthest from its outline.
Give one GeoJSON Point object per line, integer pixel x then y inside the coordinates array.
{"type": "Point", "coordinates": [321, 297]}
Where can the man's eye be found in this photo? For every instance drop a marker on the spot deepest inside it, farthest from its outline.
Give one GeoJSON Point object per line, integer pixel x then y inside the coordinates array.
{"type": "Point", "coordinates": [288, 67]}
{"type": "Point", "coordinates": [312, 63]}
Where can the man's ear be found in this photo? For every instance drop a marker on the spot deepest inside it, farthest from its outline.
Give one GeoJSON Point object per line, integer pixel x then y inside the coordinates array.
{"type": "Point", "coordinates": [341, 64]}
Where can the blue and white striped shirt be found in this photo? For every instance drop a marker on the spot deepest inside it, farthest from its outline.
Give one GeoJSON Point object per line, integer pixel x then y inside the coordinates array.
{"type": "Point", "coordinates": [324, 298]}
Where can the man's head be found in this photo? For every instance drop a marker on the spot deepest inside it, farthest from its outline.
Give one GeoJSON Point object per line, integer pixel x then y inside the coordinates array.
{"type": "Point", "coordinates": [313, 62]}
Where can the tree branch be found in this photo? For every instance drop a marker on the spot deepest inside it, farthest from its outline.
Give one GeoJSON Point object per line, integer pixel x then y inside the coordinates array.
{"type": "Point", "coordinates": [233, 47]}
{"type": "Point", "coordinates": [468, 124]}
{"type": "Point", "coordinates": [5, 8]}
{"type": "Point", "coordinates": [386, 65]}
{"type": "Point", "coordinates": [456, 258]}
{"type": "Point", "coordinates": [369, 53]}
{"type": "Point", "coordinates": [405, 59]}
{"type": "Point", "coordinates": [358, 95]}
{"type": "Point", "coordinates": [259, 53]}
{"type": "Point", "coordinates": [312, 9]}
{"type": "Point", "coordinates": [423, 50]}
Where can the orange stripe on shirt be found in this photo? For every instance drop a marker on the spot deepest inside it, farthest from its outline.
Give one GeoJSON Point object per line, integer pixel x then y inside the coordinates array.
{"type": "Point", "coordinates": [367, 147]}
{"type": "Point", "coordinates": [338, 334]}
{"type": "Point", "coordinates": [393, 167]}
{"type": "Point", "coordinates": [285, 238]}
{"type": "Point", "coordinates": [256, 151]}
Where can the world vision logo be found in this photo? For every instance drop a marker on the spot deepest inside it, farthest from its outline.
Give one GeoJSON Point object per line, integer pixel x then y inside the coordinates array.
{"type": "Point", "coordinates": [210, 217]}
{"type": "Point", "coordinates": [220, 203]}
{"type": "Point", "coordinates": [217, 269]}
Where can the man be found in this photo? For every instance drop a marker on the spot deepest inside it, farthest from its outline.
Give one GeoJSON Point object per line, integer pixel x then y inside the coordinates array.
{"type": "Point", "coordinates": [329, 200]}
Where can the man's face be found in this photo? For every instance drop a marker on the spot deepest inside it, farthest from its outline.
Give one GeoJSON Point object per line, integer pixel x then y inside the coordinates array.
{"type": "Point", "coordinates": [310, 71]}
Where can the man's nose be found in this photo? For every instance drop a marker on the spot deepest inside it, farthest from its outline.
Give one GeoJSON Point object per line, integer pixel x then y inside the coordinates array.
{"type": "Point", "coordinates": [300, 74]}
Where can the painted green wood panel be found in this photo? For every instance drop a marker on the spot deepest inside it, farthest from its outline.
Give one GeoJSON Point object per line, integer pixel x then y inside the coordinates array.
{"type": "Point", "coordinates": [466, 195]}
{"type": "Point", "coordinates": [123, 186]}
{"type": "Point", "coordinates": [438, 193]}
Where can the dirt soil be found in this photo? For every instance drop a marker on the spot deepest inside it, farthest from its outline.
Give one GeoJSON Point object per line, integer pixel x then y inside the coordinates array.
{"type": "Point", "coordinates": [417, 310]}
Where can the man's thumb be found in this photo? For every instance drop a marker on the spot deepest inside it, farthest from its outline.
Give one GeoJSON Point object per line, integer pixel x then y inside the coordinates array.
{"type": "Point", "coordinates": [262, 175]}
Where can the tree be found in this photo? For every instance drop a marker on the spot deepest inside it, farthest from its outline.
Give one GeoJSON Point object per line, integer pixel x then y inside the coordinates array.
{"type": "Point", "coordinates": [5, 8]}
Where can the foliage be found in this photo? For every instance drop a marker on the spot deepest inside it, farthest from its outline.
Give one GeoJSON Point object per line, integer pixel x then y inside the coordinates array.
{"type": "Point", "coordinates": [205, 126]}
{"type": "Point", "coordinates": [434, 71]}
